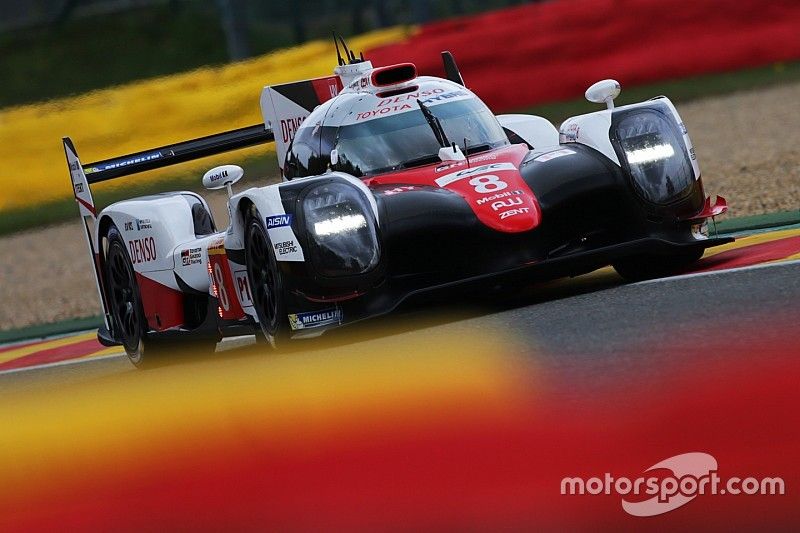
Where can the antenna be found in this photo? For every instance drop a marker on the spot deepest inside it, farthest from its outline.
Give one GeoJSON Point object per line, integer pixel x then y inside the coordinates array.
{"type": "Point", "coordinates": [349, 56]}
{"type": "Point", "coordinates": [338, 53]}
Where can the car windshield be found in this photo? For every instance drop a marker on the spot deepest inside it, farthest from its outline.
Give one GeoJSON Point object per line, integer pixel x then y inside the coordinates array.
{"type": "Point", "coordinates": [407, 140]}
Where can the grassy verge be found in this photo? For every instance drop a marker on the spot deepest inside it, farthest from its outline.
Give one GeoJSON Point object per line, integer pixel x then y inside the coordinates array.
{"type": "Point", "coordinates": [682, 90]}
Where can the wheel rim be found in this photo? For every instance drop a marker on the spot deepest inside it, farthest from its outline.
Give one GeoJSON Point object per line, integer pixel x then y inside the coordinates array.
{"type": "Point", "coordinates": [263, 277]}
{"type": "Point", "coordinates": [124, 302]}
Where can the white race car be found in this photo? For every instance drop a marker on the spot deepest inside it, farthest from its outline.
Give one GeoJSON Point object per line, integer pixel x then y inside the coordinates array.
{"type": "Point", "coordinates": [394, 184]}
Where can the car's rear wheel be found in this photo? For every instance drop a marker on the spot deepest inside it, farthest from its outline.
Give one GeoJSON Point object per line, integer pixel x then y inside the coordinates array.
{"type": "Point", "coordinates": [651, 266]}
{"type": "Point", "coordinates": [266, 281]}
{"type": "Point", "coordinates": [127, 312]}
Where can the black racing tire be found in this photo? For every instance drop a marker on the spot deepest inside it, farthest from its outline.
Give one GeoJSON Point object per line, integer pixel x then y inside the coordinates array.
{"type": "Point", "coordinates": [652, 266]}
{"type": "Point", "coordinates": [266, 282]}
{"type": "Point", "coordinates": [127, 312]}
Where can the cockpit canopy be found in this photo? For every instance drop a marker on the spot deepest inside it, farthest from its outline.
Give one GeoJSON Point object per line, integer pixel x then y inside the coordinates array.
{"type": "Point", "coordinates": [385, 132]}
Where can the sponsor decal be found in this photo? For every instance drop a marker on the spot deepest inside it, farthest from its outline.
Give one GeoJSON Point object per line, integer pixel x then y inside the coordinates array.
{"type": "Point", "coordinates": [692, 153]}
{"type": "Point", "coordinates": [364, 82]}
{"type": "Point", "coordinates": [571, 133]}
{"type": "Point", "coordinates": [315, 319]}
{"type": "Point", "coordinates": [404, 102]}
{"type": "Point", "coordinates": [448, 166]}
{"type": "Point", "coordinates": [278, 221]}
{"type": "Point", "coordinates": [218, 176]}
{"type": "Point", "coordinates": [552, 155]}
{"type": "Point", "coordinates": [483, 169]}
{"type": "Point", "coordinates": [382, 111]}
{"type": "Point", "coordinates": [510, 202]}
{"type": "Point", "coordinates": [79, 187]}
{"type": "Point", "coordinates": [129, 225]}
{"type": "Point", "coordinates": [289, 128]}
{"type": "Point", "coordinates": [514, 212]}
{"type": "Point", "coordinates": [191, 256]}
{"type": "Point", "coordinates": [497, 196]}
{"type": "Point", "coordinates": [74, 165]}
{"type": "Point", "coordinates": [142, 250]}
{"type": "Point", "coordinates": [243, 288]}
{"type": "Point", "coordinates": [126, 162]}
{"type": "Point", "coordinates": [444, 96]}
{"type": "Point", "coordinates": [143, 223]}
{"type": "Point", "coordinates": [286, 247]}
{"type": "Point", "coordinates": [484, 157]}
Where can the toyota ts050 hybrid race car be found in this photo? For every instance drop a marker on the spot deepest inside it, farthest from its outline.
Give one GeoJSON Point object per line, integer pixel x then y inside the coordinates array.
{"type": "Point", "coordinates": [393, 184]}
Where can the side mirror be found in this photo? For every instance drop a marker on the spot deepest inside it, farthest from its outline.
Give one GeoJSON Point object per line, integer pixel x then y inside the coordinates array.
{"type": "Point", "coordinates": [603, 92]}
{"type": "Point", "coordinates": [224, 176]}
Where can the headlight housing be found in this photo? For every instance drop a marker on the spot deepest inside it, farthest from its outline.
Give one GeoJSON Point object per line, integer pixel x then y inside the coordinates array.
{"type": "Point", "coordinates": [654, 153]}
{"type": "Point", "coordinates": [341, 229]}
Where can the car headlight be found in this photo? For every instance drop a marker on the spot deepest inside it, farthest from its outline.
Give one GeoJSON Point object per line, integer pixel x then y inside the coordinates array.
{"type": "Point", "coordinates": [655, 156]}
{"type": "Point", "coordinates": [341, 228]}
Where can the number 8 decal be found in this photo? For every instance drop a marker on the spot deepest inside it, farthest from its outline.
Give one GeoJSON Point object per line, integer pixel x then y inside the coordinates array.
{"type": "Point", "coordinates": [223, 295]}
{"type": "Point", "coordinates": [488, 183]}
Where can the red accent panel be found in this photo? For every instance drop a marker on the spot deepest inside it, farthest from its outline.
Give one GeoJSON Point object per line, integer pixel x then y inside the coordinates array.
{"type": "Point", "coordinates": [54, 355]}
{"type": "Point", "coordinates": [491, 185]}
{"type": "Point", "coordinates": [160, 301]}
{"type": "Point", "coordinates": [225, 287]}
{"type": "Point", "coordinates": [326, 88]}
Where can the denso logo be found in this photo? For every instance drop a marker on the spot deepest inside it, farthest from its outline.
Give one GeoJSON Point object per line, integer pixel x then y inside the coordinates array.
{"type": "Point", "coordinates": [277, 221]}
{"type": "Point", "coordinates": [142, 250]}
{"type": "Point", "coordinates": [289, 128]}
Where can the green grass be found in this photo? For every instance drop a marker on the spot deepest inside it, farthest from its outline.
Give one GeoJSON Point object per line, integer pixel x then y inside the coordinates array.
{"type": "Point", "coordinates": [678, 90]}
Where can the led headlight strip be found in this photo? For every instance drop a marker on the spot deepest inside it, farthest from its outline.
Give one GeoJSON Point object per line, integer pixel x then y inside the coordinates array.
{"type": "Point", "coordinates": [650, 154]}
{"type": "Point", "coordinates": [340, 224]}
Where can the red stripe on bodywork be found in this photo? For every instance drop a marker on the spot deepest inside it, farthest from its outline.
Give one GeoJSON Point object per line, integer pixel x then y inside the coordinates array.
{"type": "Point", "coordinates": [54, 355]}
{"type": "Point", "coordinates": [326, 88]}
{"type": "Point", "coordinates": [163, 306]}
{"type": "Point", "coordinates": [87, 205]}
{"type": "Point", "coordinates": [751, 255]}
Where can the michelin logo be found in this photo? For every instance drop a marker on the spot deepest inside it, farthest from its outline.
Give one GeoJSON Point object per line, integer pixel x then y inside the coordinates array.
{"type": "Point", "coordinates": [278, 221]}
{"type": "Point", "coordinates": [315, 319]}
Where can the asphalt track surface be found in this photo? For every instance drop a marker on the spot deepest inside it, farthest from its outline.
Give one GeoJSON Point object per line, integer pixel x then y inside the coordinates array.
{"type": "Point", "coordinates": [592, 332]}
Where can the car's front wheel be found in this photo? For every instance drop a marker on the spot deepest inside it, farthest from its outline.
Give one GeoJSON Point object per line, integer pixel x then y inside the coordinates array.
{"type": "Point", "coordinates": [266, 281]}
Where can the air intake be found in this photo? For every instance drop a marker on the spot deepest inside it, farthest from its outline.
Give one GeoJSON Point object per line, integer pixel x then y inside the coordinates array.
{"type": "Point", "coordinates": [393, 74]}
